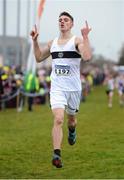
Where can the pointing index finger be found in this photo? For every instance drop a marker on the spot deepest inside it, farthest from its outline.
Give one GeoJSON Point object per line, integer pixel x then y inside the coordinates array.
{"type": "Point", "coordinates": [35, 27]}
{"type": "Point", "coordinates": [86, 24]}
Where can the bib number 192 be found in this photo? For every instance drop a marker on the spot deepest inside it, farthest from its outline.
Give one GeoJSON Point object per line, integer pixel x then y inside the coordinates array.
{"type": "Point", "coordinates": [62, 70]}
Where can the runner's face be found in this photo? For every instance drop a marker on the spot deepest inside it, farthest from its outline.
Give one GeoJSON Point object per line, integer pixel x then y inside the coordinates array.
{"type": "Point", "coordinates": [65, 23]}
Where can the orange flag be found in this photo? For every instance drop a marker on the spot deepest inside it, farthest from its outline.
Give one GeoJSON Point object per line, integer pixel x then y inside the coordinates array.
{"type": "Point", "coordinates": [40, 8]}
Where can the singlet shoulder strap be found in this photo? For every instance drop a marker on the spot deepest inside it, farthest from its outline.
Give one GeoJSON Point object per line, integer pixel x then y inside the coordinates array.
{"type": "Point", "coordinates": [54, 43]}
{"type": "Point", "coordinates": [55, 40]}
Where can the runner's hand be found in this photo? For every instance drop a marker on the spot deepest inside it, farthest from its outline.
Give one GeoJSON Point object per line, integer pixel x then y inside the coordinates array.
{"type": "Point", "coordinates": [34, 33]}
{"type": "Point", "coordinates": [85, 30]}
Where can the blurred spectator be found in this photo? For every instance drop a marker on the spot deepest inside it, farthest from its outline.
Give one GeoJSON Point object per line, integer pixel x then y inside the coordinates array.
{"type": "Point", "coordinates": [120, 88]}
{"type": "Point", "coordinates": [42, 86]}
{"type": "Point", "coordinates": [1, 85]}
{"type": "Point", "coordinates": [31, 85]}
{"type": "Point", "coordinates": [84, 88]}
{"type": "Point", "coordinates": [110, 85]}
{"type": "Point", "coordinates": [1, 88]}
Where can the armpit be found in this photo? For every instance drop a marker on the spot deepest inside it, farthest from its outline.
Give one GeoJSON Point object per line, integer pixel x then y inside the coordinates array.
{"type": "Point", "coordinates": [77, 42]}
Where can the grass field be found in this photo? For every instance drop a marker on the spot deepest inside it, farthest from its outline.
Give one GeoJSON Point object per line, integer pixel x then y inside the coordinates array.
{"type": "Point", "coordinates": [26, 146]}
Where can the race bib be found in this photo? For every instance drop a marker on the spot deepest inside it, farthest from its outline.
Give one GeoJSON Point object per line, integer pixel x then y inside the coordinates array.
{"type": "Point", "coordinates": [62, 70]}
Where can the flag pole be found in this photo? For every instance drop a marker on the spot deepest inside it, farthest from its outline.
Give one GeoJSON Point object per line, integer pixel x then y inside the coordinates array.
{"type": "Point", "coordinates": [31, 65]}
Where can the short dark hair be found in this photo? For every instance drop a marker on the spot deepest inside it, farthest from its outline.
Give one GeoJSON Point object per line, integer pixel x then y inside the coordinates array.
{"type": "Point", "coordinates": [64, 13]}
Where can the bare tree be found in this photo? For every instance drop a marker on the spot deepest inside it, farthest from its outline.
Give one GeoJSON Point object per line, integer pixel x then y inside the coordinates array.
{"type": "Point", "coordinates": [121, 59]}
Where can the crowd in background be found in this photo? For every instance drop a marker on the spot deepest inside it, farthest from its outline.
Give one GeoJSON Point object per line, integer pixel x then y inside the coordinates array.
{"type": "Point", "coordinates": [18, 88]}
{"type": "Point", "coordinates": [115, 82]}
{"type": "Point", "coordinates": [14, 82]}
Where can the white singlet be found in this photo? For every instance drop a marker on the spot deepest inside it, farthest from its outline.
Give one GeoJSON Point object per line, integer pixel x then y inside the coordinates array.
{"type": "Point", "coordinates": [65, 75]}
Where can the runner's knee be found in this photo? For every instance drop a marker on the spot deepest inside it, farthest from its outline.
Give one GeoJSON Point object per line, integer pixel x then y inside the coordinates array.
{"type": "Point", "coordinates": [58, 120]}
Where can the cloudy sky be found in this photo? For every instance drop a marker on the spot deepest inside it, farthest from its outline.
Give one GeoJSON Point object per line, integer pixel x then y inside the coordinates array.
{"type": "Point", "coordinates": [106, 17]}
